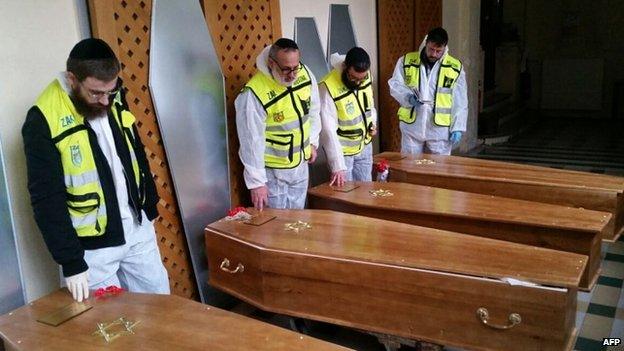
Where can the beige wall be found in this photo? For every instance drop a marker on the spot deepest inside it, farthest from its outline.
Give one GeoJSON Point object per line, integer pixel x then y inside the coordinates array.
{"type": "Point", "coordinates": [36, 39]}
{"type": "Point", "coordinates": [461, 20]}
{"type": "Point", "coordinates": [363, 16]}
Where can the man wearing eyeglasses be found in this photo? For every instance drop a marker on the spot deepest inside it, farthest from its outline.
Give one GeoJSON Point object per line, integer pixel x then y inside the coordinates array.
{"type": "Point", "coordinates": [430, 86]}
{"type": "Point", "coordinates": [91, 189]}
{"type": "Point", "coordinates": [277, 119]}
{"type": "Point", "coordinates": [349, 117]}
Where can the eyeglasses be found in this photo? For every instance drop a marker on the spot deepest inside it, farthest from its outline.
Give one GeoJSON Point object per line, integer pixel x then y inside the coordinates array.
{"type": "Point", "coordinates": [97, 95]}
{"type": "Point", "coordinates": [287, 70]}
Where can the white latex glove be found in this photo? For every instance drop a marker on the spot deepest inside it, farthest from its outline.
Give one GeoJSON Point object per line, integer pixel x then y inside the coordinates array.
{"type": "Point", "coordinates": [78, 285]}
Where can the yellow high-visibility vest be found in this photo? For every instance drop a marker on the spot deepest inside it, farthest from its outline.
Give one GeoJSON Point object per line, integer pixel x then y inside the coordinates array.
{"type": "Point", "coordinates": [287, 130]}
{"type": "Point", "coordinates": [85, 197]}
{"type": "Point", "coordinates": [448, 74]}
{"type": "Point", "coordinates": [354, 112]}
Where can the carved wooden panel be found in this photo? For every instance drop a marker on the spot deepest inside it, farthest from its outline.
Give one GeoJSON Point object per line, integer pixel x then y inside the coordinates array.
{"type": "Point", "coordinates": [395, 39]}
{"type": "Point", "coordinates": [125, 26]}
{"type": "Point", "coordinates": [428, 15]}
{"type": "Point", "coordinates": [240, 30]}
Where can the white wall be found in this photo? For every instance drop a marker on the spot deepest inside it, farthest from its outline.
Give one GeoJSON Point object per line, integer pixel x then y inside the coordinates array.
{"type": "Point", "coordinates": [461, 19]}
{"type": "Point", "coordinates": [36, 38]}
{"type": "Point", "coordinates": [363, 16]}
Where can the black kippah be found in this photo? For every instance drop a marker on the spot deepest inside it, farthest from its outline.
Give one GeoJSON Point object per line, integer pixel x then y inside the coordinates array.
{"type": "Point", "coordinates": [92, 49]}
{"type": "Point", "coordinates": [358, 58]}
{"type": "Point", "coordinates": [285, 43]}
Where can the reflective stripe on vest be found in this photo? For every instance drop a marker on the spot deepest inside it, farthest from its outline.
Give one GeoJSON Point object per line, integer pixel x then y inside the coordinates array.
{"type": "Point", "coordinates": [354, 112]}
{"type": "Point", "coordinates": [85, 197]}
{"type": "Point", "coordinates": [287, 131]}
{"type": "Point", "coordinates": [448, 74]}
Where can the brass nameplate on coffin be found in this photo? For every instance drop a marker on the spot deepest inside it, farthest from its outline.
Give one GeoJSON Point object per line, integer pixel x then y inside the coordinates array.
{"type": "Point", "coordinates": [259, 219]}
{"type": "Point", "coordinates": [345, 188]}
{"type": "Point", "coordinates": [64, 313]}
{"type": "Point", "coordinates": [395, 157]}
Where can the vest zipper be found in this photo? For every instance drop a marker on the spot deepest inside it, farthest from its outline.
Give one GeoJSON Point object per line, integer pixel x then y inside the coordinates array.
{"type": "Point", "coordinates": [292, 99]}
{"type": "Point", "coordinates": [362, 112]}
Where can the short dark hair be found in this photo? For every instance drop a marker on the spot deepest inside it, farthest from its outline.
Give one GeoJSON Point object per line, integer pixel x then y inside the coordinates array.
{"type": "Point", "coordinates": [438, 35]}
{"type": "Point", "coordinates": [358, 59]}
{"type": "Point", "coordinates": [282, 44]}
{"type": "Point", "coordinates": [93, 58]}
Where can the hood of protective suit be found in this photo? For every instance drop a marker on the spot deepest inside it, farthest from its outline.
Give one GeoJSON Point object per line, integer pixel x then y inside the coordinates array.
{"type": "Point", "coordinates": [262, 61]}
{"type": "Point", "coordinates": [336, 60]}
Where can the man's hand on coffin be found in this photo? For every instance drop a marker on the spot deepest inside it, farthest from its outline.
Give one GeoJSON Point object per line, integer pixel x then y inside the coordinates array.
{"type": "Point", "coordinates": [260, 197]}
{"type": "Point", "coordinates": [78, 285]}
{"type": "Point", "coordinates": [312, 154]}
{"type": "Point", "coordinates": [338, 178]}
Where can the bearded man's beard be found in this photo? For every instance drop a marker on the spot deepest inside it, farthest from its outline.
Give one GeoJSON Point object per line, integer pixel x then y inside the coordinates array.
{"type": "Point", "coordinates": [88, 110]}
{"type": "Point", "coordinates": [281, 80]}
{"type": "Point", "coordinates": [349, 84]}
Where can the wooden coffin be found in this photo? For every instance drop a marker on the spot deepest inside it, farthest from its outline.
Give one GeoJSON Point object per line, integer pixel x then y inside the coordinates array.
{"type": "Point", "coordinates": [556, 186]}
{"type": "Point", "coordinates": [165, 323]}
{"type": "Point", "coordinates": [399, 279]}
{"type": "Point", "coordinates": [525, 222]}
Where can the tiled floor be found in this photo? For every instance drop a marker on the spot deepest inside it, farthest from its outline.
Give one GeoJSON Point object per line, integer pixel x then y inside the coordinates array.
{"type": "Point", "coordinates": [600, 313]}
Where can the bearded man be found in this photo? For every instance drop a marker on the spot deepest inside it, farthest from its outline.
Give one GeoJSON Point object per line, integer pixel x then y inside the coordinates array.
{"type": "Point", "coordinates": [91, 189]}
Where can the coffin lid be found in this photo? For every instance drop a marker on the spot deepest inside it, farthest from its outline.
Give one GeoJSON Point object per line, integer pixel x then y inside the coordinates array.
{"type": "Point", "coordinates": [348, 237]}
{"type": "Point", "coordinates": [165, 322]}
{"type": "Point", "coordinates": [421, 199]}
{"type": "Point", "coordinates": [472, 168]}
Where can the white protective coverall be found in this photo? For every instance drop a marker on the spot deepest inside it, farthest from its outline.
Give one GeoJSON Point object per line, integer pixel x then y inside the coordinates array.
{"type": "Point", "coordinates": [359, 167]}
{"type": "Point", "coordinates": [287, 187]}
{"type": "Point", "coordinates": [423, 132]}
{"type": "Point", "coordinates": [135, 266]}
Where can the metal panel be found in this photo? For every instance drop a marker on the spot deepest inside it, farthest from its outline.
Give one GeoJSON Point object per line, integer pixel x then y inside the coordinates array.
{"type": "Point", "coordinates": [11, 291]}
{"type": "Point", "coordinates": [187, 87]}
{"type": "Point", "coordinates": [309, 42]}
{"type": "Point", "coordinates": [341, 35]}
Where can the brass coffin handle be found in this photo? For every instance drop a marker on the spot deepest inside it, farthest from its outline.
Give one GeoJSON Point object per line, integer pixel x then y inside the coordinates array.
{"type": "Point", "coordinates": [484, 316]}
{"type": "Point", "coordinates": [225, 265]}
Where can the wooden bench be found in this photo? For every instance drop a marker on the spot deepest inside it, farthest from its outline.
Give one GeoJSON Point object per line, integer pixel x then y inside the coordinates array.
{"type": "Point", "coordinates": [561, 187]}
{"type": "Point", "coordinates": [538, 224]}
{"type": "Point", "coordinates": [166, 322]}
{"type": "Point", "coordinates": [399, 279]}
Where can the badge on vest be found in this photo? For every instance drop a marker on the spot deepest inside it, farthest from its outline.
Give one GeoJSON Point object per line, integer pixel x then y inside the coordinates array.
{"type": "Point", "coordinates": [67, 121]}
{"type": "Point", "coordinates": [448, 81]}
{"type": "Point", "coordinates": [408, 79]}
{"type": "Point", "coordinates": [350, 108]}
{"type": "Point", "coordinates": [278, 116]}
{"type": "Point", "coordinates": [76, 156]}
{"type": "Point", "coordinates": [299, 80]}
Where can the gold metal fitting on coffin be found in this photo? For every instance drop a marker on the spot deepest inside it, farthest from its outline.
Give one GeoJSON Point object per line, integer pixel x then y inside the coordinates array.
{"type": "Point", "coordinates": [424, 161]}
{"type": "Point", "coordinates": [113, 330]}
{"type": "Point", "coordinates": [225, 265]}
{"type": "Point", "coordinates": [297, 226]}
{"type": "Point", "coordinates": [484, 316]}
{"type": "Point", "coordinates": [380, 193]}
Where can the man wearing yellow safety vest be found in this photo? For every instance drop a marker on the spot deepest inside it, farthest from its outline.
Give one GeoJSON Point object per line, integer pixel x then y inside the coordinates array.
{"type": "Point", "coordinates": [277, 119]}
{"type": "Point", "coordinates": [430, 86]}
{"type": "Point", "coordinates": [348, 116]}
{"type": "Point", "coordinates": [91, 189]}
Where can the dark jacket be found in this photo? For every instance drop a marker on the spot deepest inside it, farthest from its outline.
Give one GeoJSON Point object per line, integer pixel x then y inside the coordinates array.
{"type": "Point", "coordinates": [48, 195]}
